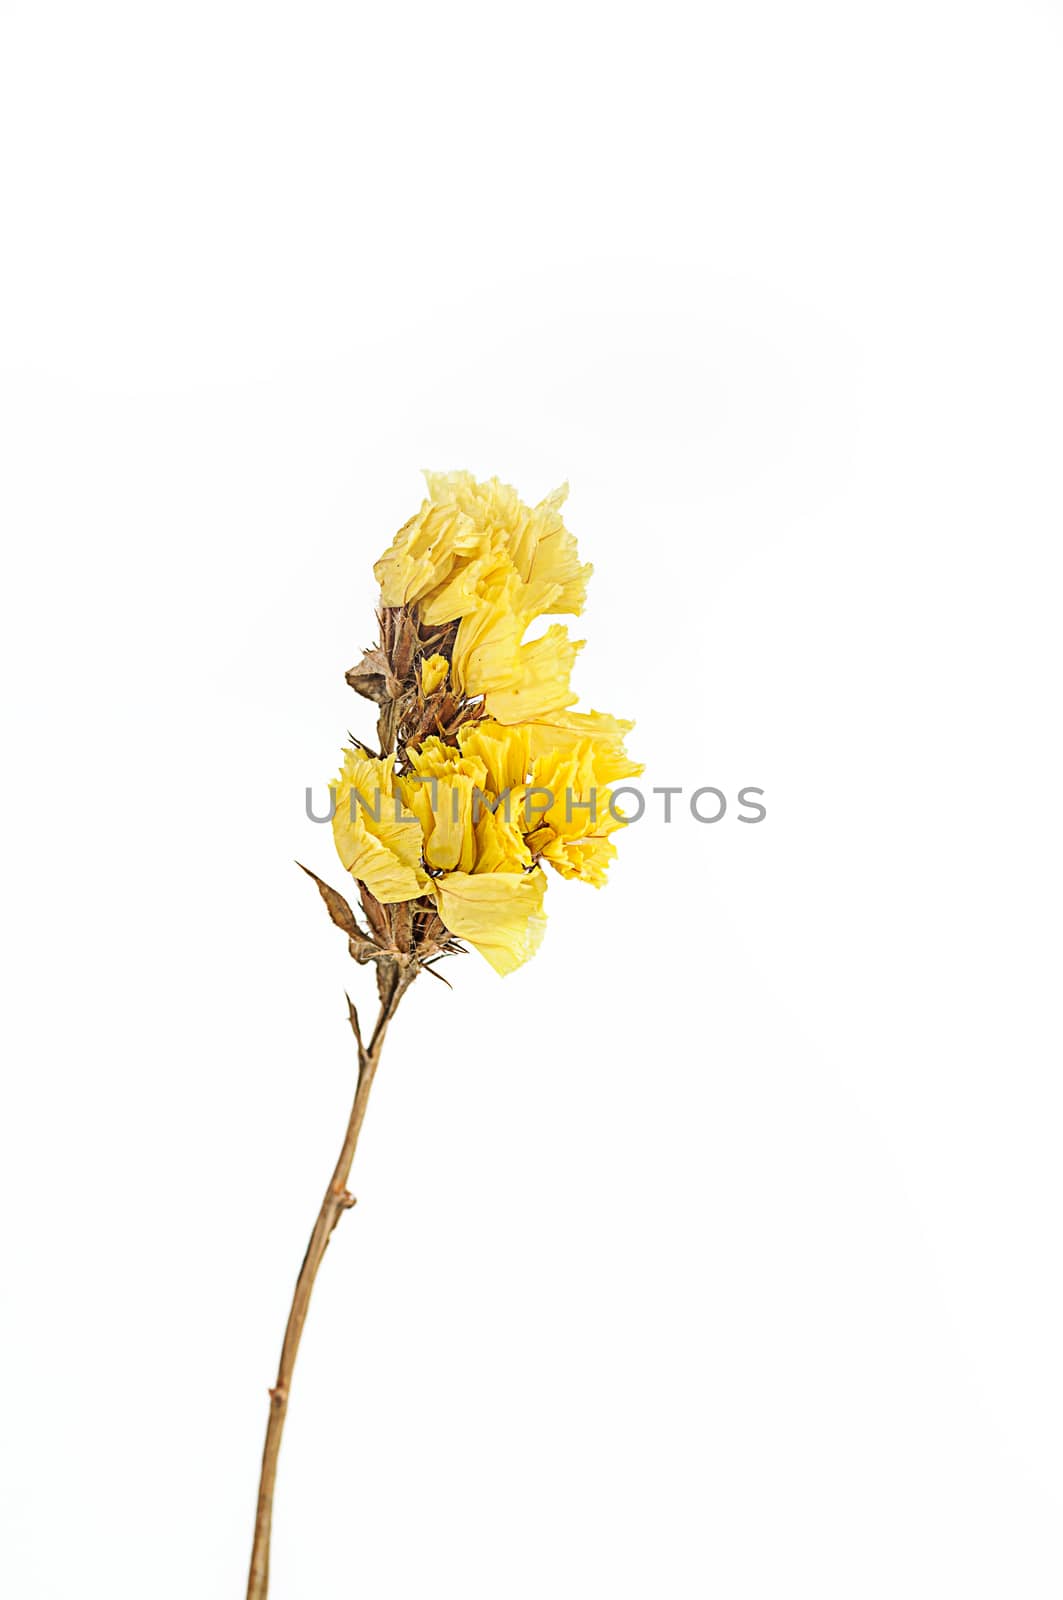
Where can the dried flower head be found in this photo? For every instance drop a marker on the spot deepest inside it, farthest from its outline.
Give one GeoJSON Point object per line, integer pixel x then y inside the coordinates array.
{"type": "Point", "coordinates": [485, 774]}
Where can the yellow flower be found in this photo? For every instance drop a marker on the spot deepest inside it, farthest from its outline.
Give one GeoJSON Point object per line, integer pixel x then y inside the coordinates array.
{"type": "Point", "coordinates": [505, 753]}
{"type": "Point", "coordinates": [377, 843]}
{"type": "Point", "coordinates": [558, 777]}
{"type": "Point", "coordinates": [476, 554]}
{"type": "Point", "coordinates": [433, 832]}
{"type": "Point", "coordinates": [440, 793]}
{"type": "Point", "coordinates": [434, 546]}
{"type": "Point", "coordinates": [500, 846]}
{"type": "Point", "coordinates": [574, 829]}
{"type": "Point", "coordinates": [484, 888]}
{"type": "Point", "coordinates": [433, 671]}
{"type": "Point", "coordinates": [541, 548]}
{"type": "Point", "coordinates": [452, 794]}
{"type": "Point", "coordinates": [525, 780]}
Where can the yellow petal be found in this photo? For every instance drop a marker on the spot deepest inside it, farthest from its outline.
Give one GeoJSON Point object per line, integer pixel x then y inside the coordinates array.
{"type": "Point", "coordinates": [465, 588]}
{"type": "Point", "coordinates": [377, 843]}
{"type": "Point", "coordinates": [439, 791]}
{"type": "Point", "coordinates": [565, 730]}
{"type": "Point", "coordinates": [587, 859]}
{"type": "Point", "coordinates": [425, 553]}
{"type": "Point", "coordinates": [542, 685]}
{"type": "Point", "coordinates": [576, 826]}
{"type": "Point", "coordinates": [503, 750]}
{"type": "Point", "coordinates": [553, 562]}
{"type": "Point", "coordinates": [487, 647]}
{"type": "Point", "coordinates": [500, 913]}
{"type": "Point", "coordinates": [542, 549]}
{"type": "Point", "coordinates": [500, 845]}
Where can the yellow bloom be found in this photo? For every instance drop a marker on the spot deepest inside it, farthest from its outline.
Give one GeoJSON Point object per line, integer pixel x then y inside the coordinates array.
{"type": "Point", "coordinates": [477, 865]}
{"type": "Point", "coordinates": [436, 544]}
{"type": "Point", "coordinates": [439, 793]}
{"type": "Point", "coordinates": [525, 780]}
{"type": "Point", "coordinates": [559, 777]}
{"type": "Point", "coordinates": [376, 842]}
{"type": "Point", "coordinates": [477, 553]}
{"type": "Point", "coordinates": [439, 837]}
{"type": "Point", "coordinates": [500, 845]}
{"type": "Point", "coordinates": [541, 548]}
{"type": "Point", "coordinates": [504, 751]}
{"type": "Point", "coordinates": [433, 671]}
{"type": "Point", "coordinates": [451, 792]}
{"type": "Point", "coordinates": [574, 831]}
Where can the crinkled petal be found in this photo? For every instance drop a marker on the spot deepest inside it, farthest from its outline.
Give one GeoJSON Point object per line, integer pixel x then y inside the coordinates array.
{"type": "Point", "coordinates": [424, 555]}
{"type": "Point", "coordinates": [503, 750]}
{"type": "Point", "coordinates": [542, 687]}
{"type": "Point", "coordinates": [379, 844]}
{"type": "Point", "coordinates": [500, 913]}
{"type": "Point", "coordinates": [564, 730]}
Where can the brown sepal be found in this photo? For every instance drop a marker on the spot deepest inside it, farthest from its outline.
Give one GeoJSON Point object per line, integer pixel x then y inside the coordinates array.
{"type": "Point", "coordinates": [338, 909]}
{"type": "Point", "coordinates": [376, 916]}
{"type": "Point", "coordinates": [371, 677]}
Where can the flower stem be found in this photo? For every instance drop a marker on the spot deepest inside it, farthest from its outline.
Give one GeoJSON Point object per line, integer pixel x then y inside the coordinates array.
{"type": "Point", "coordinates": [395, 979]}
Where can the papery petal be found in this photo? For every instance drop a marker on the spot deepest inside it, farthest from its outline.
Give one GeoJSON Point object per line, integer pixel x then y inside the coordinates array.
{"type": "Point", "coordinates": [500, 913]}
{"type": "Point", "coordinates": [567, 729]}
{"type": "Point", "coordinates": [500, 845]}
{"type": "Point", "coordinates": [503, 750]}
{"type": "Point", "coordinates": [378, 847]}
{"type": "Point", "coordinates": [486, 651]}
{"type": "Point", "coordinates": [587, 859]}
{"type": "Point", "coordinates": [440, 791]}
{"type": "Point", "coordinates": [544, 667]}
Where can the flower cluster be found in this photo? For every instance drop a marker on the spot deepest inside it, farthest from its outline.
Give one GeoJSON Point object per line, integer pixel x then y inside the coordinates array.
{"type": "Point", "coordinates": [484, 771]}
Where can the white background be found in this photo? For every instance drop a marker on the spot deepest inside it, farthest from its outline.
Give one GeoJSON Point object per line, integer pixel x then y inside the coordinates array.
{"type": "Point", "coordinates": [717, 1253]}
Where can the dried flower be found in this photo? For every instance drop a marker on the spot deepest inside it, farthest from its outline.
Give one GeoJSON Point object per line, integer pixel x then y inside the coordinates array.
{"type": "Point", "coordinates": [483, 776]}
{"type": "Point", "coordinates": [480, 717]}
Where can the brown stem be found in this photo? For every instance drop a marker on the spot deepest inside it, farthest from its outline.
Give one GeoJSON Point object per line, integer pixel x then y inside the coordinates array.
{"type": "Point", "coordinates": [395, 980]}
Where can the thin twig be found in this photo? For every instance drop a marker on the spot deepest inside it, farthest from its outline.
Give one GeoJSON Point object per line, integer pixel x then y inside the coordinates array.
{"type": "Point", "coordinates": [337, 1200]}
